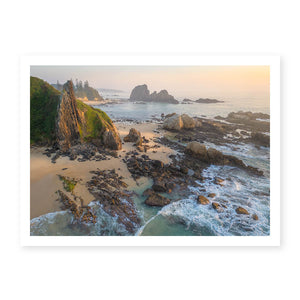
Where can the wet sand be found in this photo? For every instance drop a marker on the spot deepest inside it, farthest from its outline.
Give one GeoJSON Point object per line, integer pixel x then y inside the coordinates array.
{"type": "Point", "coordinates": [44, 180]}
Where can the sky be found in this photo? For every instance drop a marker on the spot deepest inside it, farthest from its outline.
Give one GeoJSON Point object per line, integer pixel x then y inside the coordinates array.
{"type": "Point", "coordinates": [222, 82]}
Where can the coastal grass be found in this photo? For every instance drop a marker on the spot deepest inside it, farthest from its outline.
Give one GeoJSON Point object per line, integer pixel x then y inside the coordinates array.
{"type": "Point", "coordinates": [68, 183]}
{"type": "Point", "coordinates": [44, 100]}
{"type": "Point", "coordinates": [96, 121]}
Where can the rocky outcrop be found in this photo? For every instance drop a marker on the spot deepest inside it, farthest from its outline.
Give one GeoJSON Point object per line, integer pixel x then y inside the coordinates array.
{"type": "Point", "coordinates": [134, 136]}
{"type": "Point", "coordinates": [79, 122]}
{"type": "Point", "coordinates": [141, 93]}
{"type": "Point", "coordinates": [213, 156]}
{"type": "Point", "coordinates": [207, 100]}
{"type": "Point", "coordinates": [68, 120]}
{"type": "Point", "coordinates": [260, 139]}
{"type": "Point", "coordinates": [178, 122]}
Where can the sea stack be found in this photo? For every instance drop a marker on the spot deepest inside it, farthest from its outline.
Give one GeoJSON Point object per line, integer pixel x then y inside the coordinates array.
{"type": "Point", "coordinates": [142, 93]}
{"type": "Point", "coordinates": [67, 128]}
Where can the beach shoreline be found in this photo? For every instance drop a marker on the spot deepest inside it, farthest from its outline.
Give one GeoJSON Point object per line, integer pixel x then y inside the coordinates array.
{"type": "Point", "coordinates": [44, 179]}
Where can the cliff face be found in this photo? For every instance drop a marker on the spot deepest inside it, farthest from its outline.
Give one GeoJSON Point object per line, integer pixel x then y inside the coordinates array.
{"type": "Point", "coordinates": [69, 121]}
{"type": "Point", "coordinates": [67, 127]}
{"type": "Point", "coordinates": [141, 93]}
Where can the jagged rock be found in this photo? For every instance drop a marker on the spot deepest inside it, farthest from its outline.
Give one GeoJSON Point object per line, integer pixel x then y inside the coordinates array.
{"type": "Point", "coordinates": [157, 200]}
{"type": "Point", "coordinates": [141, 93]}
{"type": "Point", "coordinates": [111, 139]}
{"type": "Point", "coordinates": [203, 200]}
{"type": "Point", "coordinates": [241, 211]}
{"type": "Point", "coordinates": [134, 136]}
{"type": "Point", "coordinates": [213, 156]}
{"type": "Point", "coordinates": [67, 126]}
{"type": "Point", "coordinates": [211, 195]}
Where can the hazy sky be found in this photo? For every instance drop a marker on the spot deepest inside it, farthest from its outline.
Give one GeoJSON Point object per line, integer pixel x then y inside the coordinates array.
{"type": "Point", "coordinates": [181, 81]}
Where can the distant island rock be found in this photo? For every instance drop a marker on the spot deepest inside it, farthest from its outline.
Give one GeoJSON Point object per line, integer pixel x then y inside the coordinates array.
{"type": "Point", "coordinates": [207, 100]}
{"type": "Point", "coordinates": [141, 93]}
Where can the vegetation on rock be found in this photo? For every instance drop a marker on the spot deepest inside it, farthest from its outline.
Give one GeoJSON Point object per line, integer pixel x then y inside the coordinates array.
{"type": "Point", "coordinates": [44, 100]}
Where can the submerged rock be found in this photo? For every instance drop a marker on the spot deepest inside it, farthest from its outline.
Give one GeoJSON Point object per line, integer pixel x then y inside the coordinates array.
{"type": "Point", "coordinates": [157, 200]}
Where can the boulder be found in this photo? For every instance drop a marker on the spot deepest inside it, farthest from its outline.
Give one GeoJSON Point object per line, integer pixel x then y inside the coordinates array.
{"type": "Point", "coordinates": [255, 217]}
{"type": "Point", "coordinates": [157, 200]}
{"type": "Point", "coordinates": [188, 122]}
{"type": "Point", "coordinates": [241, 211]}
{"type": "Point", "coordinates": [173, 123]}
{"type": "Point", "coordinates": [203, 200]}
{"type": "Point", "coordinates": [134, 136]}
{"type": "Point", "coordinates": [211, 195]}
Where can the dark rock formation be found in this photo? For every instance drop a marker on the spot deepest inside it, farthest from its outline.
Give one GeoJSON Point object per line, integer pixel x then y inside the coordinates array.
{"type": "Point", "coordinates": [207, 100]}
{"type": "Point", "coordinates": [111, 139]}
{"type": "Point", "coordinates": [241, 211]}
{"type": "Point", "coordinates": [108, 188]}
{"type": "Point", "coordinates": [260, 139]}
{"type": "Point", "coordinates": [203, 200]}
{"type": "Point", "coordinates": [213, 156]}
{"type": "Point", "coordinates": [157, 200]}
{"type": "Point", "coordinates": [141, 93]}
{"type": "Point", "coordinates": [134, 136]}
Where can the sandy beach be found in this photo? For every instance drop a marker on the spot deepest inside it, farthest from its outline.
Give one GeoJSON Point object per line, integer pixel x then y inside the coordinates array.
{"type": "Point", "coordinates": [44, 179]}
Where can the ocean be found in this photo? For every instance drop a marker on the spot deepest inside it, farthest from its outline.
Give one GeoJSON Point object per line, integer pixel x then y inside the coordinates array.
{"type": "Point", "coordinates": [186, 217]}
